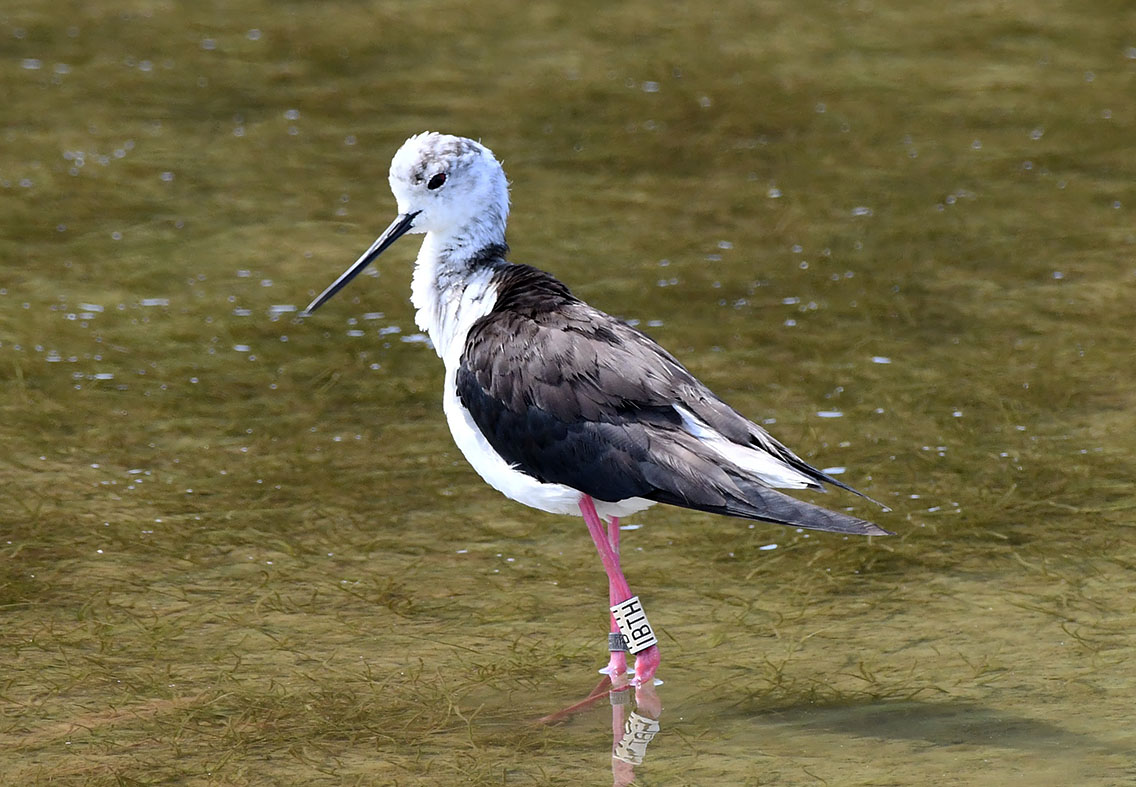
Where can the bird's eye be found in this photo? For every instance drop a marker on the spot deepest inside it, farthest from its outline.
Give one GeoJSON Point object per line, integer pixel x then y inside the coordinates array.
{"type": "Point", "coordinates": [436, 181]}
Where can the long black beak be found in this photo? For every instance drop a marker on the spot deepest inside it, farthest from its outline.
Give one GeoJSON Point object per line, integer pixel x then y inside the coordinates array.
{"type": "Point", "coordinates": [396, 230]}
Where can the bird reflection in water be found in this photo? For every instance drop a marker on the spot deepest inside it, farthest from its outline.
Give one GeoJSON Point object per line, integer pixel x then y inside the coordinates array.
{"type": "Point", "coordinates": [635, 712]}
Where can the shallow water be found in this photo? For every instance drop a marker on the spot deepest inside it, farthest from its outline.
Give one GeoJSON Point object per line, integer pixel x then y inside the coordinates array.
{"type": "Point", "coordinates": [238, 547]}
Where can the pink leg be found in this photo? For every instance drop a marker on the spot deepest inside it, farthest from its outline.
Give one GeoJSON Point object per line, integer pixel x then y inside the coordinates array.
{"type": "Point", "coordinates": [607, 544]}
{"type": "Point", "coordinates": [618, 589]}
{"type": "Point", "coordinates": [622, 773]}
{"type": "Point", "coordinates": [617, 666]}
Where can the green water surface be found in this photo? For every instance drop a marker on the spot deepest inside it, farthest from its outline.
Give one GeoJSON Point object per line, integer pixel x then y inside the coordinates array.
{"type": "Point", "coordinates": [239, 548]}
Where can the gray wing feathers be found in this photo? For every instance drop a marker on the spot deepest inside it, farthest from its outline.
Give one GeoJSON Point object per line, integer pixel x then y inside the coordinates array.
{"type": "Point", "coordinates": [572, 396]}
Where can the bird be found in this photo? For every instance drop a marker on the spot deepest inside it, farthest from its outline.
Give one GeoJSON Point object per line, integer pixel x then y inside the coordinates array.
{"type": "Point", "coordinates": [559, 405]}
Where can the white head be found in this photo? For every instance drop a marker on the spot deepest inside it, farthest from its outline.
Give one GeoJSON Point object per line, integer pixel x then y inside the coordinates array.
{"type": "Point", "coordinates": [453, 184]}
{"type": "Point", "coordinates": [450, 187]}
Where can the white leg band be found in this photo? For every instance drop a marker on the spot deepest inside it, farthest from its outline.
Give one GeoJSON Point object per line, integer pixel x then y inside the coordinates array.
{"type": "Point", "coordinates": [633, 625]}
{"type": "Point", "coordinates": [637, 733]}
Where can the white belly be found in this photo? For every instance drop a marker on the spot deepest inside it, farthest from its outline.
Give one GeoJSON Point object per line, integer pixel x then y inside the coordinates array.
{"type": "Point", "coordinates": [448, 317]}
{"type": "Point", "coordinates": [553, 498]}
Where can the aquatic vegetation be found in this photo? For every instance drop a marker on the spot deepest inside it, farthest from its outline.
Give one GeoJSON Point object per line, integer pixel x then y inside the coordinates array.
{"type": "Point", "coordinates": [240, 548]}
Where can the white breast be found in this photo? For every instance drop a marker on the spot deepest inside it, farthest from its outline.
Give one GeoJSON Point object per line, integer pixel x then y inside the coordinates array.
{"type": "Point", "coordinates": [448, 317]}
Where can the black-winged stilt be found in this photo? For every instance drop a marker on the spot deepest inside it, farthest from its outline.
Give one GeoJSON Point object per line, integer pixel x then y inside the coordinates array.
{"type": "Point", "coordinates": [560, 406]}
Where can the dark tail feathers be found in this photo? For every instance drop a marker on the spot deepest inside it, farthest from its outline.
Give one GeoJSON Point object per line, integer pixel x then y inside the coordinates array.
{"type": "Point", "coordinates": [769, 505]}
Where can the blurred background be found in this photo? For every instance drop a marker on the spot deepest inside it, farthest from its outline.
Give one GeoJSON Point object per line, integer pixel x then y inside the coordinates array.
{"type": "Point", "coordinates": [239, 547]}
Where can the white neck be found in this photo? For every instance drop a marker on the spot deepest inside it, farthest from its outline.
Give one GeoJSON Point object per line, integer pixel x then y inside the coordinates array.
{"type": "Point", "coordinates": [449, 294]}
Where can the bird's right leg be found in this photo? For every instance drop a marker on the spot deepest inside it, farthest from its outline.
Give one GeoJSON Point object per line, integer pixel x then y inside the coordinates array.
{"type": "Point", "coordinates": [617, 665]}
{"type": "Point", "coordinates": [618, 591]}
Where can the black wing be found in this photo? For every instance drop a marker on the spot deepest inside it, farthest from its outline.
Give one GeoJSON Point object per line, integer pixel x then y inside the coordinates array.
{"type": "Point", "coordinates": [569, 395]}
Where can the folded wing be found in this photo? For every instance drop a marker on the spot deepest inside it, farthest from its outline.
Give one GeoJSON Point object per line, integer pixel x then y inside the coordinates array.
{"type": "Point", "coordinates": [569, 395]}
